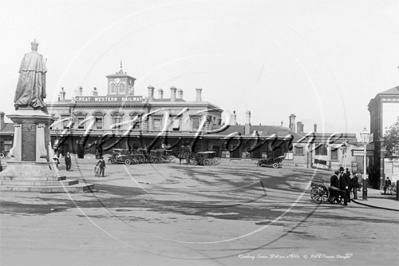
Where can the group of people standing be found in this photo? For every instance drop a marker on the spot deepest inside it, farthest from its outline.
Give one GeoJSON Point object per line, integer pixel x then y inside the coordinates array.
{"type": "Point", "coordinates": [100, 165]}
{"type": "Point", "coordinates": [344, 181]}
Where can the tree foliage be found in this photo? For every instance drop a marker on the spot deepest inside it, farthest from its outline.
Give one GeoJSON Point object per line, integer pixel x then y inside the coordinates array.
{"type": "Point", "coordinates": [391, 141]}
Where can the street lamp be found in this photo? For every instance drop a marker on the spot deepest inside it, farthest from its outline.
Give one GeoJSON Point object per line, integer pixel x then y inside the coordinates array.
{"type": "Point", "coordinates": [365, 138]}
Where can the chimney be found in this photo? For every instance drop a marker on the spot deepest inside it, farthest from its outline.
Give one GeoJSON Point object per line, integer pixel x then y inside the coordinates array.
{"type": "Point", "coordinates": [234, 119]}
{"type": "Point", "coordinates": [150, 93]}
{"type": "Point", "coordinates": [172, 94]}
{"type": "Point", "coordinates": [160, 93]}
{"type": "Point", "coordinates": [79, 91]}
{"type": "Point", "coordinates": [62, 94]}
{"type": "Point", "coordinates": [95, 92]}
{"type": "Point", "coordinates": [281, 123]}
{"type": "Point", "coordinates": [315, 128]}
{"type": "Point", "coordinates": [198, 97]}
{"type": "Point", "coordinates": [247, 123]}
{"type": "Point", "coordinates": [180, 94]}
{"type": "Point", "coordinates": [292, 122]}
{"type": "Point", "coordinates": [299, 129]}
{"type": "Point", "coordinates": [2, 124]}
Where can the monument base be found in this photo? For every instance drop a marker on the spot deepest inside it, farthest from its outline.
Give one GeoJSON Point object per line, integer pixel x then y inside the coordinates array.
{"type": "Point", "coordinates": [31, 167]}
{"type": "Point", "coordinates": [31, 176]}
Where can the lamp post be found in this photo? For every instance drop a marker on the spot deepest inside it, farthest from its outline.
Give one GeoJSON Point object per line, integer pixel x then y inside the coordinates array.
{"type": "Point", "coordinates": [365, 138]}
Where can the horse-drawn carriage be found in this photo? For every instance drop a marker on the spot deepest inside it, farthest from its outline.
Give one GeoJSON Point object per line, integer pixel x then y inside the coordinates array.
{"type": "Point", "coordinates": [272, 162]}
{"type": "Point", "coordinates": [322, 193]}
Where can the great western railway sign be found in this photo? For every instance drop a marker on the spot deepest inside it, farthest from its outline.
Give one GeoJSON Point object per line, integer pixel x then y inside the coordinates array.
{"type": "Point", "coordinates": [109, 99]}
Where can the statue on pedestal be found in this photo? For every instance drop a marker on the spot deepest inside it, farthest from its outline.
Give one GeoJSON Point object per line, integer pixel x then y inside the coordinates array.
{"type": "Point", "coordinates": [31, 88]}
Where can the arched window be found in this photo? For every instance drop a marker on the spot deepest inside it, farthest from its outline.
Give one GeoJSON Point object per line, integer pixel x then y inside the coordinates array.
{"type": "Point", "coordinates": [138, 122]}
{"type": "Point", "coordinates": [117, 117]}
{"type": "Point", "coordinates": [122, 88]}
{"type": "Point", "coordinates": [113, 88]}
{"type": "Point", "coordinates": [99, 122]}
{"type": "Point", "coordinates": [80, 117]}
{"type": "Point", "coordinates": [321, 150]}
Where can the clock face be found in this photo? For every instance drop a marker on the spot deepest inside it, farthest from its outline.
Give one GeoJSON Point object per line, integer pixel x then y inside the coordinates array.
{"type": "Point", "coordinates": [117, 81]}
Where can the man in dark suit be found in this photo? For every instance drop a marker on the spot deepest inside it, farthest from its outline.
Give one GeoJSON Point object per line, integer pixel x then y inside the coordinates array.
{"type": "Point", "coordinates": [345, 184]}
{"type": "Point", "coordinates": [102, 166]}
{"type": "Point", "coordinates": [334, 182]}
{"type": "Point", "coordinates": [387, 184]}
{"type": "Point", "coordinates": [68, 161]}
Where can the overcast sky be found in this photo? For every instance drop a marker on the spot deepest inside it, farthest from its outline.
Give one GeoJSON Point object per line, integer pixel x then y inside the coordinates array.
{"type": "Point", "coordinates": [320, 60]}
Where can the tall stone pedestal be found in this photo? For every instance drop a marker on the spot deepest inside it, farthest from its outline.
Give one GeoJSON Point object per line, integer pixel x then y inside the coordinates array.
{"type": "Point", "coordinates": [31, 167]}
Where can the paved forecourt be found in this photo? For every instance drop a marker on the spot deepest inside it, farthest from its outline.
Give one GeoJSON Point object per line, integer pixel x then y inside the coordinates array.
{"type": "Point", "coordinates": [171, 214]}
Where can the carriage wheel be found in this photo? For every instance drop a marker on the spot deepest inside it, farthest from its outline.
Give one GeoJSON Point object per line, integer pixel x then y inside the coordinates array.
{"type": "Point", "coordinates": [318, 198]}
{"type": "Point", "coordinates": [324, 198]}
{"type": "Point", "coordinates": [111, 160]}
{"type": "Point", "coordinates": [194, 162]}
{"type": "Point", "coordinates": [275, 165]}
{"type": "Point", "coordinates": [313, 192]}
{"type": "Point", "coordinates": [128, 162]}
{"type": "Point", "coordinates": [207, 162]}
{"type": "Point", "coordinates": [156, 160]}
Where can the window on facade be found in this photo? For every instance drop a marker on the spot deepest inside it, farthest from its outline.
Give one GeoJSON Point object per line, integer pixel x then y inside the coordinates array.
{"type": "Point", "coordinates": [334, 154]}
{"type": "Point", "coordinates": [122, 88]}
{"type": "Point", "coordinates": [117, 120]}
{"type": "Point", "coordinates": [298, 150]}
{"type": "Point", "coordinates": [264, 154]}
{"type": "Point", "coordinates": [7, 145]}
{"type": "Point", "coordinates": [196, 122]}
{"type": "Point", "coordinates": [157, 124]}
{"type": "Point", "coordinates": [113, 88]}
{"type": "Point", "coordinates": [321, 150]}
{"type": "Point", "coordinates": [65, 123]}
{"type": "Point", "coordinates": [99, 122]}
{"type": "Point", "coordinates": [176, 125]}
{"type": "Point", "coordinates": [80, 124]}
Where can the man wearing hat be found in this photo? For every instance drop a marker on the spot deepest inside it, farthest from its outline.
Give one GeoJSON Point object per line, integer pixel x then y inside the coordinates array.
{"type": "Point", "coordinates": [345, 184]}
{"type": "Point", "coordinates": [334, 182]}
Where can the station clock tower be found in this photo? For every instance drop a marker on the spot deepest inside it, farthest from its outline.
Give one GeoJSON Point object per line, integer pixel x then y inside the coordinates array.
{"type": "Point", "coordinates": [120, 84]}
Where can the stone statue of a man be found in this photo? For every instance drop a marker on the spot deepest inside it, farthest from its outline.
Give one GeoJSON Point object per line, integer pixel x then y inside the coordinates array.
{"type": "Point", "coordinates": [31, 88]}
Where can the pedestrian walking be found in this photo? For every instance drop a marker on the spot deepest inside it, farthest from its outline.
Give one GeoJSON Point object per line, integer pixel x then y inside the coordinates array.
{"type": "Point", "coordinates": [355, 184]}
{"type": "Point", "coordinates": [387, 184]}
{"type": "Point", "coordinates": [101, 164]}
{"type": "Point", "coordinates": [345, 185]}
{"type": "Point", "coordinates": [68, 161]}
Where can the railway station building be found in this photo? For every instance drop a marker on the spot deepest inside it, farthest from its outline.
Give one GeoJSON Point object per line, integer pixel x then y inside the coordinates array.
{"type": "Point", "coordinates": [89, 123]}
